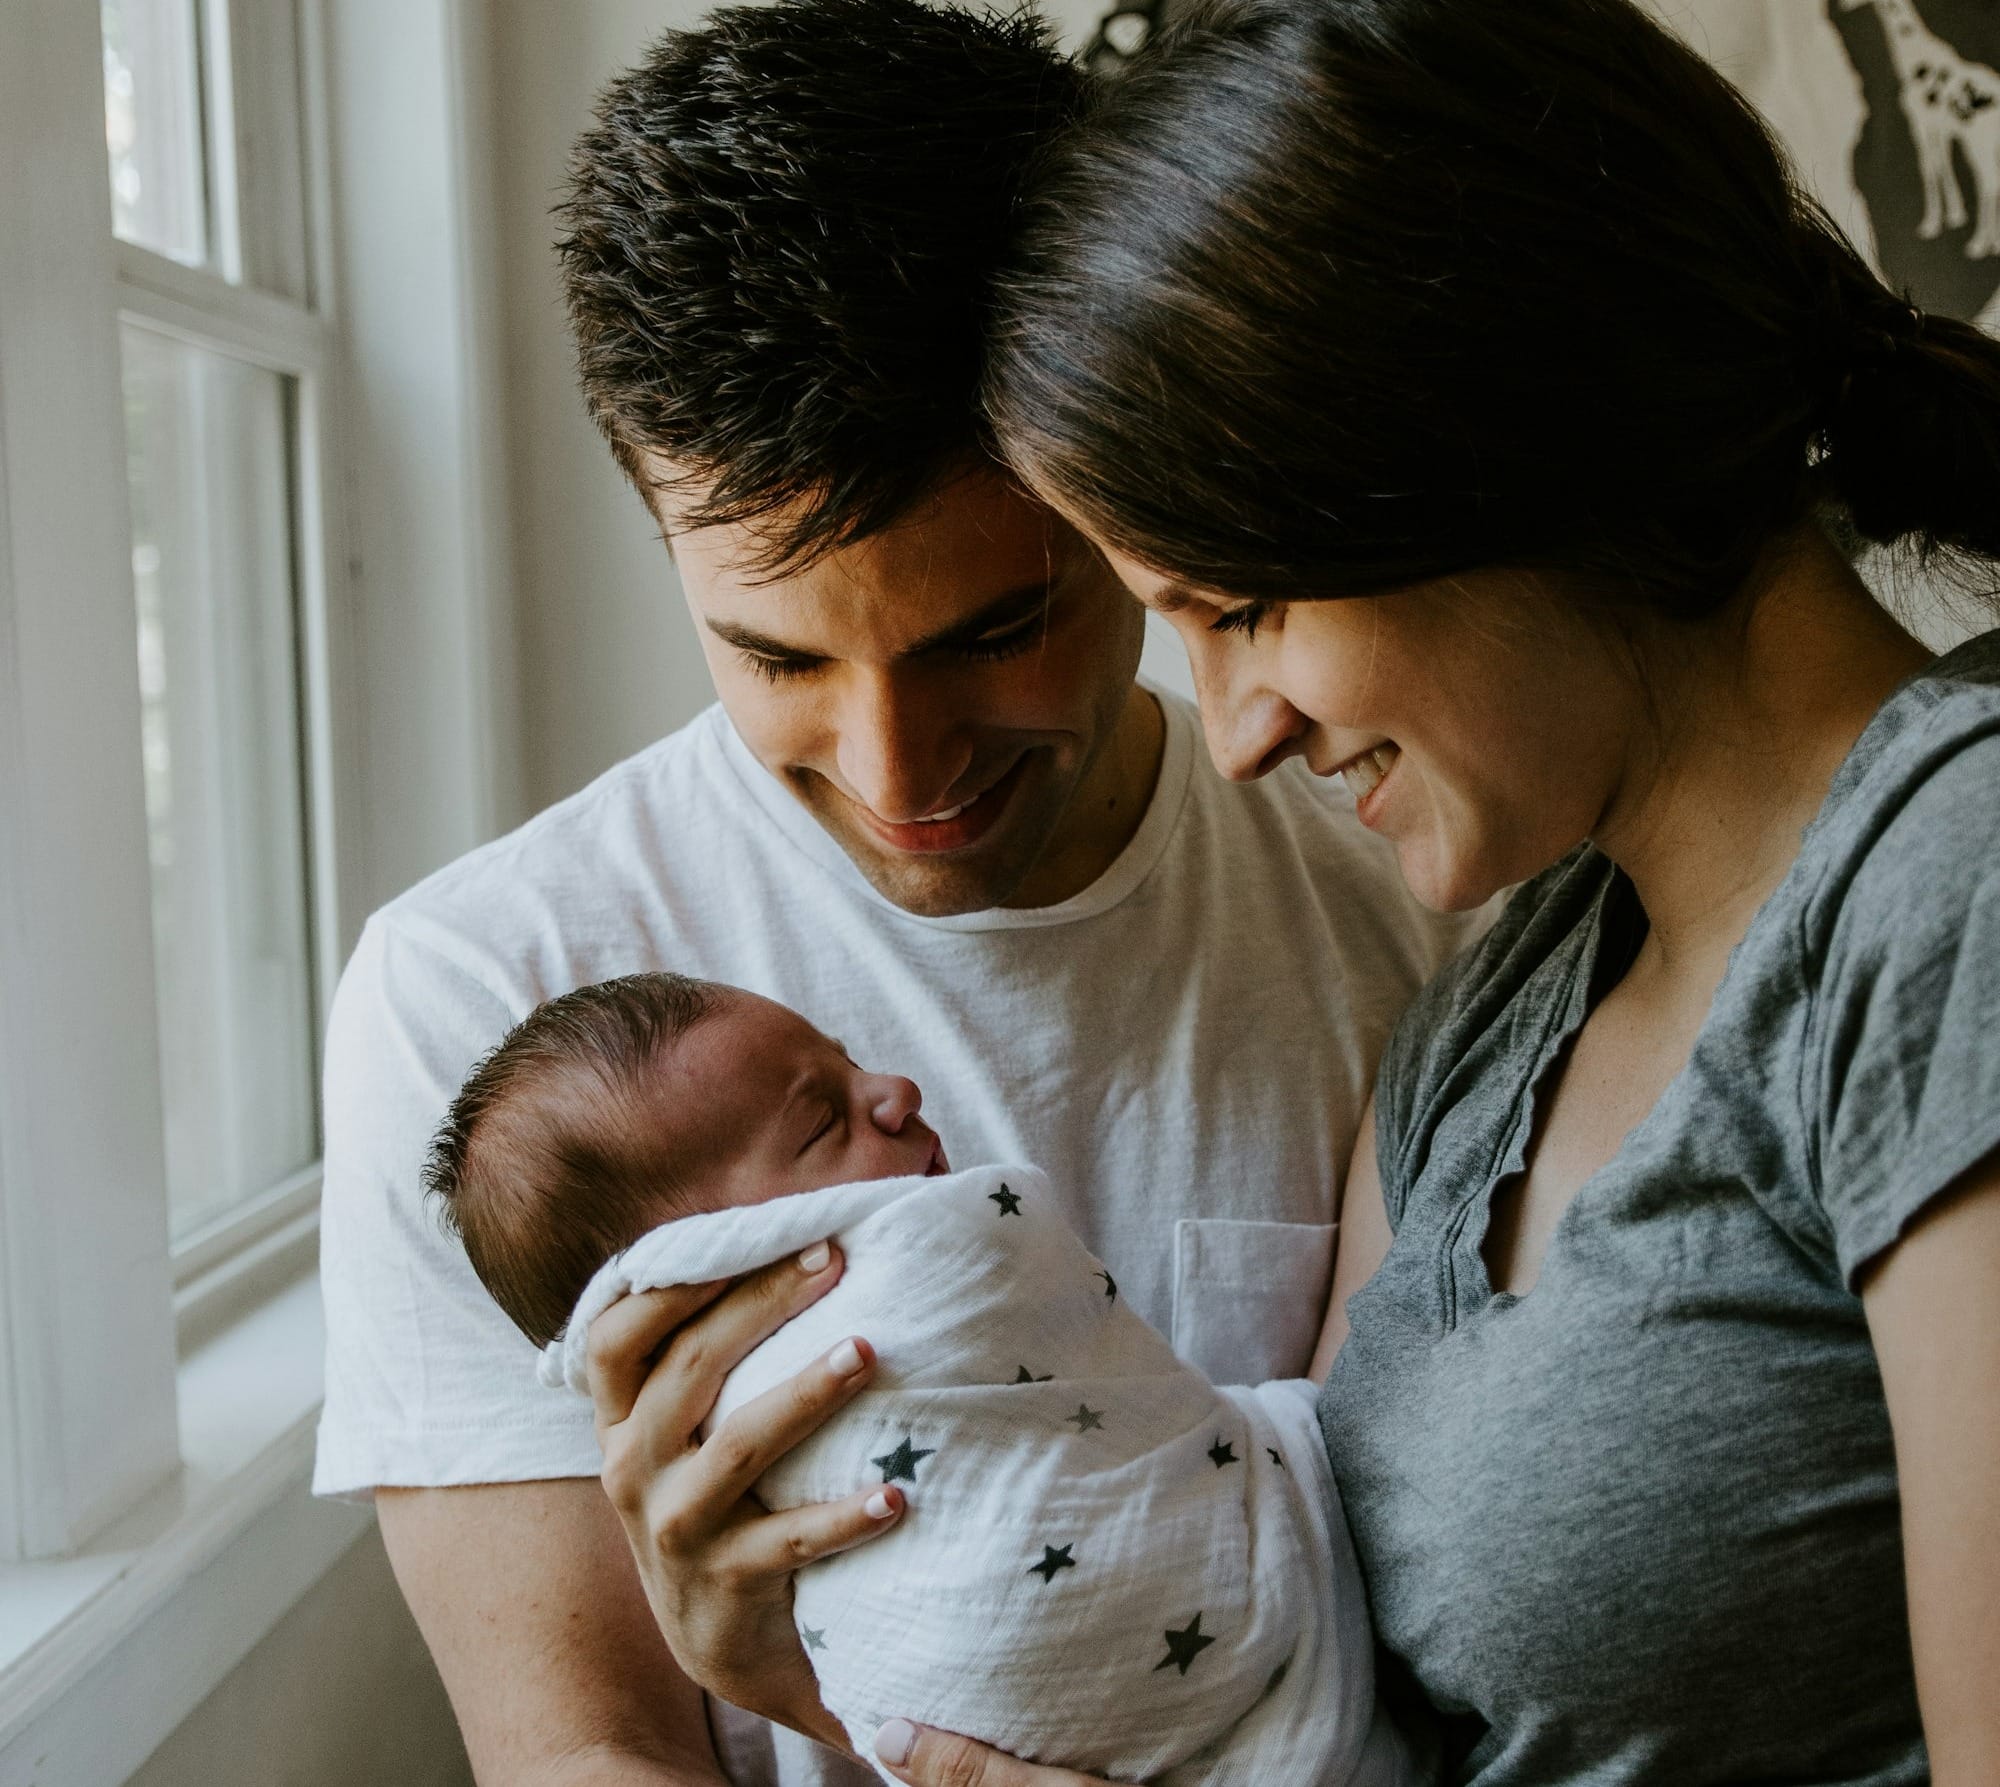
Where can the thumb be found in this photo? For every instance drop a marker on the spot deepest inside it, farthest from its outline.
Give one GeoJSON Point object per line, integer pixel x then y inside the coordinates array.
{"type": "Point", "coordinates": [927, 1758]}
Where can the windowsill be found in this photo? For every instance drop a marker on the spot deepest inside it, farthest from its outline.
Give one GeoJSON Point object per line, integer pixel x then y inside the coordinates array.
{"type": "Point", "coordinates": [152, 1614]}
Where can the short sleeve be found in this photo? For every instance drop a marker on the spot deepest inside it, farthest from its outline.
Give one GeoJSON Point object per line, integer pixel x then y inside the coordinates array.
{"type": "Point", "coordinates": [427, 1382]}
{"type": "Point", "coordinates": [1908, 1009]}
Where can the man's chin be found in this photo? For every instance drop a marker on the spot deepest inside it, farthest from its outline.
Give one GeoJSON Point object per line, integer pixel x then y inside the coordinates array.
{"type": "Point", "coordinates": [932, 887]}
{"type": "Point", "coordinates": [976, 879]}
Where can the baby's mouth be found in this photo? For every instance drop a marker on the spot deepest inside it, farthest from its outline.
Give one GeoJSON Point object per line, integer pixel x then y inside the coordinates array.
{"type": "Point", "coordinates": [939, 1166]}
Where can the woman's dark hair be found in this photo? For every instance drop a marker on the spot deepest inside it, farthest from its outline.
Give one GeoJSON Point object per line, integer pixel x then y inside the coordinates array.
{"type": "Point", "coordinates": [1326, 297]}
{"type": "Point", "coordinates": [779, 239]}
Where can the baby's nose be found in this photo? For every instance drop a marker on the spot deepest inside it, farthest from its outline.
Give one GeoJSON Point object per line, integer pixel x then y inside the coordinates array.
{"type": "Point", "coordinates": [896, 1101]}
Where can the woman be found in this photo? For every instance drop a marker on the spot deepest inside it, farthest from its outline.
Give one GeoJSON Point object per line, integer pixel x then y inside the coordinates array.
{"type": "Point", "coordinates": [1668, 1419]}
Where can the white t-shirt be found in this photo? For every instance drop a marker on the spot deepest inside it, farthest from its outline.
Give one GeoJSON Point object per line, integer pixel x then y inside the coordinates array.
{"type": "Point", "coordinates": [1192, 1038]}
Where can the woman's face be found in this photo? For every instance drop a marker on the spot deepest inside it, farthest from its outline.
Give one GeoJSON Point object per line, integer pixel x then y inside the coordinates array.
{"type": "Point", "coordinates": [1484, 728]}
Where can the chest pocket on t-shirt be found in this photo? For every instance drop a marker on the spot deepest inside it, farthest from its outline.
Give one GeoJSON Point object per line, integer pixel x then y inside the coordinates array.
{"type": "Point", "coordinates": [1249, 1297]}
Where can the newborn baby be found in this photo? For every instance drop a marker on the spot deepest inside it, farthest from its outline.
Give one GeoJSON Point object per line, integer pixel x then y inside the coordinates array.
{"type": "Point", "coordinates": [1106, 1563]}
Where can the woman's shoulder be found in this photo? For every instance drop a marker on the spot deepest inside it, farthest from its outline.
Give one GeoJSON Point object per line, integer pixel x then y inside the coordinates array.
{"type": "Point", "coordinates": [1911, 824]}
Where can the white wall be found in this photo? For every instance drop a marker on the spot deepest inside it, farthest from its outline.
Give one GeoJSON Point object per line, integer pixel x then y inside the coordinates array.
{"type": "Point", "coordinates": [340, 1693]}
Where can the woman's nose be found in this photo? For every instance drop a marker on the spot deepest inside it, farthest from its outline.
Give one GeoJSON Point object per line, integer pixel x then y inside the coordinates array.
{"type": "Point", "coordinates": [893, 1101]}
{"type": "Point", "coordinates": [1250, 727]}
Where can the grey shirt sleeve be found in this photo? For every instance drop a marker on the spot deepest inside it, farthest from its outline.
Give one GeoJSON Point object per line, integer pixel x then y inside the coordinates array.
{"type": "Point", "coordinates": [1904, 1083]}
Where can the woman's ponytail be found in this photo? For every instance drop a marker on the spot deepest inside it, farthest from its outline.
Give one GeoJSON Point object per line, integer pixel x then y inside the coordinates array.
{"type": "Point", "coordinates": [1910, 421]}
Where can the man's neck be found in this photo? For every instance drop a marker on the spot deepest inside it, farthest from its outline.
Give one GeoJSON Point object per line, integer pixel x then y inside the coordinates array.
{"type": "Point", "coordinates": [1109, 807]}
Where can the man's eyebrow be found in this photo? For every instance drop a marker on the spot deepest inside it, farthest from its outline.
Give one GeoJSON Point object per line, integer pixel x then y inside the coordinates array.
{"type": "Point", "coordinates": [759, 645]}
{"type": "Point", "coordinates": [1015, 605]}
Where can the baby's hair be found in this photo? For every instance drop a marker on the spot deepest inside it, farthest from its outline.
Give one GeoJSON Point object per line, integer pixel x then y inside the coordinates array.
{"type": "Point", "coordinates": [551, 1158]}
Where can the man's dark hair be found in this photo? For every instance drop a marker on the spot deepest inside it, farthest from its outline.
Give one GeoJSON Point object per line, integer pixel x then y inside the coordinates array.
{"type": "Point", "coordinates": [778, 241]}
{"type": "Point", "coordinates": [551, 1159]}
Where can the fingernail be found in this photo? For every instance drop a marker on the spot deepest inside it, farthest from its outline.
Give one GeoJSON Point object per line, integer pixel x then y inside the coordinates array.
{"type": "Point", "coordinates": [894, 1741]}
{"type": "Point", "coordinates": [844, 1360]}
{"type": "Point", "coordinates": [815, 1258]}
{"type": "Point", "coordinates": [878, 1506]}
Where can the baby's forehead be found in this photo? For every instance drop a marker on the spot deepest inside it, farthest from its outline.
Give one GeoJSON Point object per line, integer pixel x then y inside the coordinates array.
{"type": "Point", "coordinates": [747, 1043]}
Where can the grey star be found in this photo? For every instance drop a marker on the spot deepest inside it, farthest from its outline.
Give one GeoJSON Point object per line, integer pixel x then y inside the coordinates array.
{"type": "Point", "coordinates": [1275, 1459]}
{"type": "Point", "coordinates": [1110, 1284]}
{"type": "Point", "coordinates": [902, 1462]}
{"type": "Point", "coordinates": [815, 1640]}
{"type": "Point", "coordinates": [1054, 1558]}
{"type": "Point", "coordinates": [1086, 1418]}
{"type": "Point", "coordinates": [1025, 1376]}
{"type": "Point", "coordinates": [1221, 1453]}
{"type": "Point", "coordinates": [1009, 1201]}
{"type": "Point", "coordinates": [1183, 1647]}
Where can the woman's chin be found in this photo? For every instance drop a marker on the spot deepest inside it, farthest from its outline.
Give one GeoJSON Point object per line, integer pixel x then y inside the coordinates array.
{"type": "Point", "coordinates": [1444, 880]}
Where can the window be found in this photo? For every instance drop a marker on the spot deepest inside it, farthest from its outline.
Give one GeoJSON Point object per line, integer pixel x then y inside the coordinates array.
{"type": "Point", "coordinates": [195, 98]}
{"type": "Point", "coordinates": [168, 928]}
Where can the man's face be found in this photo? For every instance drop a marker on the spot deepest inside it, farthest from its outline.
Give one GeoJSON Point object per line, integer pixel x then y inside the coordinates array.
{"type": "Point", "coordinates": [951, 699]}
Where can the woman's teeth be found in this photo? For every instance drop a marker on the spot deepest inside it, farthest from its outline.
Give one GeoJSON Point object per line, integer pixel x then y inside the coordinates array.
{"type": "Point", "coordinates": [1364, 775]}
{"type": "Point", "coordinates": [948, 813]}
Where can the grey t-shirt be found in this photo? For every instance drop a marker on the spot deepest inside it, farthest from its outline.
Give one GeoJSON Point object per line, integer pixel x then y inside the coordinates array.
{"type": "Point", "coordinates": [1640, 1525]}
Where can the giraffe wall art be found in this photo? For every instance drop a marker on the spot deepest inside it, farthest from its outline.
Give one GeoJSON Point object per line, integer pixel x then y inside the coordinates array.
{"type": "Point", "coordinates": [1951, 103]}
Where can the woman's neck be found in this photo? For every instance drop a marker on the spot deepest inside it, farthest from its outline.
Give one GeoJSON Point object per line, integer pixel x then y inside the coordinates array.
{"type": "Point", "coordinates": [1758, 710]}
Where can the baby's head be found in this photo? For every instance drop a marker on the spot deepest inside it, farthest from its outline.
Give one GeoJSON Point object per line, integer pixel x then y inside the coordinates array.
{"type": "Point", "coordinates": [624, 1105]}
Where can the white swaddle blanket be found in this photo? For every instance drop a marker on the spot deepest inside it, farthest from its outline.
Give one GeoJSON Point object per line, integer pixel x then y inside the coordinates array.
{"type": "Point", "coordinates": [1106, 1562]}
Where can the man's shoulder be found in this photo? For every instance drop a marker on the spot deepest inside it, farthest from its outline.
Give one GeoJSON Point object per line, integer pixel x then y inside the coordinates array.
{"type": "Point", "coordinates": [648, 798]}
{"type": "Point", "coordinates": [590, 868]}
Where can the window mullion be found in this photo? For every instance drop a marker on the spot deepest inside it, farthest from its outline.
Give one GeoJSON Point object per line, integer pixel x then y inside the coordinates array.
{"type": "Point", "coordinates": [88, 1305]}
{"type": "Point", "coordinates": [195, 305]}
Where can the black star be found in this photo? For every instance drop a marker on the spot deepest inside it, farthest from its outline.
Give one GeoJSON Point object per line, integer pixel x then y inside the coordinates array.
{"type": "Point", "coordinates": [814, 1640]}
{"type": "Point", "coordinates": [1054, 1558]}
{"type": "Point", "coordinates": [1086, 1418]}
{"type": "Point", "coordinates": [1184, 1647]}
{"type": "Point", "coordinates": [1110, 1284]}
{"type": "Point", "coordinates": [1275, 1459]}
{"type": "Point", "coordinates": [1277, 1680]}
{"type": "Point", "coordinates": [902, 1462]}
{"type": "Point", "coordinates": [1025, 1376]}
{"type": "Point", "coordinates": [1009, 1201]}
{"type": "Point", "coordinates": [1222, 1452]}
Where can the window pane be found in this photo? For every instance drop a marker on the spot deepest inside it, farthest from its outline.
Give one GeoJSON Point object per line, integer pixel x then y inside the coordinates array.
{"type": "Point", "coordinates": [152, 125]}
{"type": "Point", "coordinates": [212, 569]}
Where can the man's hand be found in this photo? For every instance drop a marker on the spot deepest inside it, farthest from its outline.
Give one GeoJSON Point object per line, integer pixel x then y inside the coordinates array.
{"type": "Point", "coordinates": [717, 1569]}
{"type": "Point", "coordinates": [927, 1758]}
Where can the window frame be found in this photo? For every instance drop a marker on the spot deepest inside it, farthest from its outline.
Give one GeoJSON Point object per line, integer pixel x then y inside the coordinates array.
{"type": "Point", "coordinates": [97, 1308]}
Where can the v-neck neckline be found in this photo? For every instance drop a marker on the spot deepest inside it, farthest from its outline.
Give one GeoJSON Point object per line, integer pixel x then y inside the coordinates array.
{"type": "Point", "coordinates": [1616, 922]}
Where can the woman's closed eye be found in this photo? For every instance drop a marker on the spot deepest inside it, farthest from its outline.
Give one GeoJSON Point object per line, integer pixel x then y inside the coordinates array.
{"type": "Point", "coordinates": [1245, 620]}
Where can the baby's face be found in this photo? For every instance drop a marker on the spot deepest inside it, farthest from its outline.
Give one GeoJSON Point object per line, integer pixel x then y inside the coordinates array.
{"type": "Point", "coordinates": [773, 1107]}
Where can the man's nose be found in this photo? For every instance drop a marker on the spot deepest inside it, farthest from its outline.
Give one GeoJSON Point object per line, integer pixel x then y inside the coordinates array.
{"type": "Point", "coordinates": [1251, 728]}
{"type": "Point", "coordinates": [896, 749]}
{"type": "Point", "coordinates": [893, 1101]}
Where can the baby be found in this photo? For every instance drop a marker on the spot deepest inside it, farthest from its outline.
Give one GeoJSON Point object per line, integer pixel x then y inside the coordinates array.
{"type": "Point", "coordinates": [1106, 1563]}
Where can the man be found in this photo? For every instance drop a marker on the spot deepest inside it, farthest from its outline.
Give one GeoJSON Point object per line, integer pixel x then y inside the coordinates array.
{"type": "Point", "coordinates": [933, 811]}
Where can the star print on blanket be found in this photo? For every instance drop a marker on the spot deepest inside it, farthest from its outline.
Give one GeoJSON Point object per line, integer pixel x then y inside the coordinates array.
{"type": "Point", "coordinates": [1064, 1525]}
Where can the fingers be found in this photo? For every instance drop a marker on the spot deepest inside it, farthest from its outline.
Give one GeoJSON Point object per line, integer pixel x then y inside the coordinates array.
{"type": "Point", "coordinates": [762, 1431]}
{"type": "Point", "coordinates": [928, 1758]}
{"type": "Point", "coordinates": [779, 1544]}
{"type": "Point", "coordinates": [623, 1340]}
{"type": "Point", "coordinates": [706, 1330]}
